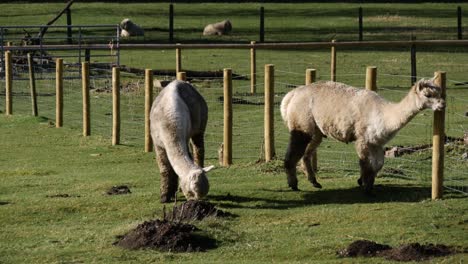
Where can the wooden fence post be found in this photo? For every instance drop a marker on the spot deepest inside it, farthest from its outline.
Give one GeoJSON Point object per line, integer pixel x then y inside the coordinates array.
{"type": "Point", "coordinates": [459, 22]}
{"type": "Point", "coordinates": [227, 139]}
{"type": "Point", "coordinates": [148, 102]}
{"type": "Point", "coordinates": [178, 59]}
{"type": "Point", "coordinates": [311, 78]}
{"type": "Point", "coordinates": [181, 76]}
{"type": "Point", "coordinates": [333, 63]}
{"type": "Point", "coordinates": [69, 26]}
{"type": "Point", "coordinates": [371, 78]}
{"type": "Point", "coordinates": [253, 69]}
{"type": "Point", "coordinates": [413, 62]}
{"type": "Point", "coordinates": [438, 140]}
{"type": "Point", "coordinates": [269, 112]}
{"type": "Point", "coordinates": [262, 24]}
{"type": "Point", "coordinates": [32, 85]}
{"type": "Point", "coordinates": [115, 106]}
{"type": "Point", "coordinates": [8, 84]}
{"type": "Point", "coordinates": [360, 24]}
{"type": "Point", "coordinates": [59, 92]}
{"type": "Point", "coordinates": [86, 101]}
{"type": "Point", "coordinates": [171, 23]}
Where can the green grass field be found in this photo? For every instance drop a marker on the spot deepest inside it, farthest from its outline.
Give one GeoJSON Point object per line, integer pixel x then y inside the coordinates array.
{"type": "Point", "coordinates": [53, 206]}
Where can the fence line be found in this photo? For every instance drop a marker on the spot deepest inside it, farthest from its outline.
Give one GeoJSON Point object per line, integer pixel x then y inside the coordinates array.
{"type": "Point", "coordinates": [269, 92]}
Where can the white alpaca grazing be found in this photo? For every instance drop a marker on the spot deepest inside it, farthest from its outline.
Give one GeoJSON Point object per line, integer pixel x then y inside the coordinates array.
{"type": "Point", "coordinates": [128, 28]}
{"type": "Point", "coordinates": [330, 109]}
{"type": "Point", "coordinates": [179, 114]}
{"type": "Point", "coordinates": [220, 28]}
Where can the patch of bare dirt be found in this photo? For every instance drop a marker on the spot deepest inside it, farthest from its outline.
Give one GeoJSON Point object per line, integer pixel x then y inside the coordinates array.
{"type": "Point", "coordinates": [166, 236]}
{"type": "Point", "coordinates": [363, 248]}
{"type": "Point", "coordinates": [196, 210]}
{"type": "Point", "coordinates": [406, 252]}
{"type": "Point", "coordinates": [418, 252]}
{"type": "Point", "coordinates": [118, 190]}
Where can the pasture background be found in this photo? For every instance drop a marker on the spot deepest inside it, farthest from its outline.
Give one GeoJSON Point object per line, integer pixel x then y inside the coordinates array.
{"type": "Point", "coordinates": [274, 224]}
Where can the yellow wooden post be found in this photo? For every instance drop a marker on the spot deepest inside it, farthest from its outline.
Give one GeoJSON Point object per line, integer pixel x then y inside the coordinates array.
{"type": "Point", "coordinates": [181, 76]}
{"type": "Point", "coordinates": [311, 75]}
{"type": "Point", "coordinates": [8, 84]}
{"type": "Point", "coordinates": [269, 132]}
{"type": "Point", "coordinates": [148, 103]}
{"type": "Point", "coordinates": [178, 59]}
{"type": "Point", "coordinates": [438, 139]}
{"type": "Point", "coordinates": [59, 93]}
{"type": "Point", "coordinates": [333, 63]}
{"type": "Point", "coordinates": [227, 138]}
{"type": "Point", "coordinates": [371, 78]}
{"type": "Point", "coordinates": [115, 106]}
{"type": "Point", "coordinates": [253, 69]}
{"type": "Point", "coordinates": [86, 100]}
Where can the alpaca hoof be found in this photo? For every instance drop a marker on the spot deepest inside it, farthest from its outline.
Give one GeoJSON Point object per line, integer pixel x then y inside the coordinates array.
{"type": "Point", "coordinates": [359, 181]}
{"type": "Point", "coordinates": [317, 185]}
{"type": "Point", "coordinates": [294, 188]}
{"type": "Point", "coordinates": [165, 199]}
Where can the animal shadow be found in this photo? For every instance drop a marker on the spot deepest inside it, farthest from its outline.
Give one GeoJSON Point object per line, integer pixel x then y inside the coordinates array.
{"type": "Point", "coordinates": [353, 195]}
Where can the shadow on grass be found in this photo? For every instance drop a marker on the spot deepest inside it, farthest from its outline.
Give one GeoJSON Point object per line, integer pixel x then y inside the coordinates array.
{"type": "Point", "coordinates": [383, 194]}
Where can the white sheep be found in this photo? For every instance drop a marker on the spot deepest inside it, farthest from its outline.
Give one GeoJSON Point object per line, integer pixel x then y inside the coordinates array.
{"type": "Point", "coordinates": [347, 114]}
{"type": "Point", "coordinates": [220, 28]}
{"type": "Point", "coordinates": [179, 114]}
{"type": "Point", "coordinates": [128, 28]}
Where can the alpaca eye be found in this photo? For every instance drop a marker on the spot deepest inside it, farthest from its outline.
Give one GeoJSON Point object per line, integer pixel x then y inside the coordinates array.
{"type": "Point", "coordinates": [429, 95]}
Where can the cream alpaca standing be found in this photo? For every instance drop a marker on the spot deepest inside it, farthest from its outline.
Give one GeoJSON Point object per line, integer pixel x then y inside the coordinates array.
{"type": "Point", "coordinates": [330, 109]}
{"type": "Point", "coordinates": [179, 114]}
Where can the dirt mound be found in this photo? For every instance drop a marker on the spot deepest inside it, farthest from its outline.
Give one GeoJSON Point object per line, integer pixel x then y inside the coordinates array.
{"type": "Point", "coordinates": [417, 252]}
{"type": "Point", "coordinates": [363, 248]}
{"type": "Point", "coordinates": [117, 190]}
{"type": "Point", "coordinates": [165, 235]}
{"type": "Point", "coordinates": [196, 210]}
{"type": "Point", "coordinates": [407, 252]}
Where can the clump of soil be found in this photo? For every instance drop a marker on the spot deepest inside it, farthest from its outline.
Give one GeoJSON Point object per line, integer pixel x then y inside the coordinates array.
{"type": "Point", "coordinates": [164, 235]}
{"type": "Point", "coordinates": [118, 190]}
{"type": "Point", "coordinates": [417, 252]}
{"type": "Point", "coordinates": [196, 210]}
{"type": "Point", "coordinates": [406, 252]}
{"type": "Point", "coordinates": [4, 202]}
{"type": "Point", "coordinates": [363, 248]}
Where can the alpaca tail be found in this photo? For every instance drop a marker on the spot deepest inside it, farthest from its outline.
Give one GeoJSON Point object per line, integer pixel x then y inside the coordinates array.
{"type": "Point", "coordinates": [284, 105]}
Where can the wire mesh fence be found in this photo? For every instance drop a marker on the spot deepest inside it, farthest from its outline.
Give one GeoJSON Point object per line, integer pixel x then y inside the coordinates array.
{"type": "Point", "coordinates": [413, 157]}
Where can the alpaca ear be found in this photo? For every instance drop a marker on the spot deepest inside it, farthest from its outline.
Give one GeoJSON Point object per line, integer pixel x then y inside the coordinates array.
{"type": "Point", "coordinates": [207, 169]}
{"type": "Point", "coordinates": [420, 85]}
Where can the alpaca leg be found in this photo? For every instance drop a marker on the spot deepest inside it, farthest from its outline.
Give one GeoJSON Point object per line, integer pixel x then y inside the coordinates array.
{"type": "Point", "coordinates": [297, 144]}
{"type": "Point", "coordinates": [367, 175]}
{"type": "Point", "coordinates": [198, 147]}
{"type": "Point", "coordinates": [169, 180]}
{"type": "Point", "coordinates": [371, 160]}
{"type": "Point", "coordinates": [307, 160]}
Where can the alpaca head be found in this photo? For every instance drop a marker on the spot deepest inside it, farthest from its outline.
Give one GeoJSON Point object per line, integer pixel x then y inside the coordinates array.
{"type": "Point", "coordinates": [195, 186]}
{"type": "Point", "coordinates": [429, 95]}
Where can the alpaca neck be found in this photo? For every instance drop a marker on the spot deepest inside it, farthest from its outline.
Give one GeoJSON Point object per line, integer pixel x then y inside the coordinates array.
{"type": "Point", "coordinates": [397, 115]}
{"type": "Point", "coordinates": [180, 160]}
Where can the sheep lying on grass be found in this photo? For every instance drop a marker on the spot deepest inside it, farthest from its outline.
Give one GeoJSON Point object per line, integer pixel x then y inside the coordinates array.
{"type": "Point", "coordinates": [128, 28]}
{"type": "Point", "coordinates": [220, 28]}
{"type": "Point", "coordinates": [179, 114]}
{"type": "Point", "coordinates": [330, 109]}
